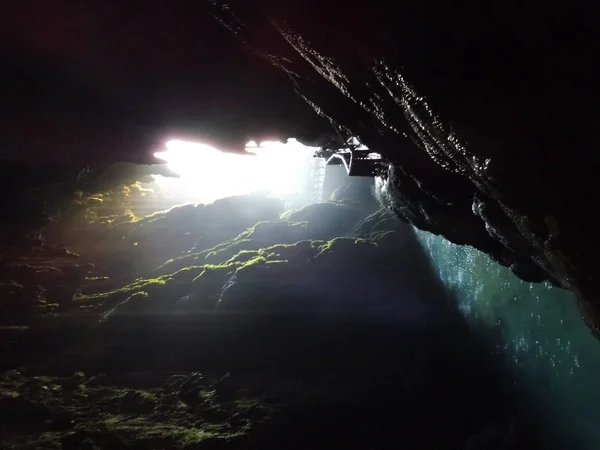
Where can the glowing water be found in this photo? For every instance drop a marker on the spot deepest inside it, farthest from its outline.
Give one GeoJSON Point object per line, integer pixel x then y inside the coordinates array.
{"type": "Point", "coordinates": [542, 332]}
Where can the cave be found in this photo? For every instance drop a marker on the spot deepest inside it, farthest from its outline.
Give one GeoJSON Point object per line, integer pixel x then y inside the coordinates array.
{"type": "Point", "coordinates": [256, 224]}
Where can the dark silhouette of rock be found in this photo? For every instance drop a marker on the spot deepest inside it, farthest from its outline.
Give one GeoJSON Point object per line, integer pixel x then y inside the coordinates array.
{"type": "Point", "coordinates": [480, 151]}
{"type": "Point", "coordinates": [224, 388]}
{"type": "Point", "coordinates": [21, 409]}
{"type": "Point", "coordinates": [63, 420]}
{"type": "Point", "coordinates": [327, 220]}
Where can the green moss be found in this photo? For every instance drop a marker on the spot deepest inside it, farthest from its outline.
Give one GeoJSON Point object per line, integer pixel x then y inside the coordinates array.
{"type": "Point", "coordinates": [287, 214]}
{"type": "Point", "coordinates": [213, 256]}
{"type": "Point", "coordinates": [227, 250]}
{"type": "Point", "coordinates": [114, 296]}
{"type": "Point", "coordinates": [115, 219]}
{"type": "Point", "coordinates": [8, 393]}
{"type": "Point", "coordinates": [108, 205]}
{"type": "Point", "coordinates": [43, 307]}
{"type": "Point", "coordinates": [256, 261]}
{"type": "Point", "coordinates": [146, 432]}
{"type": "Point", "coordinates": [207, 286]}
{"type": "Point", "coordinates": [96, 278]}
{"type": "Point", "coordinates": [298, 252]}
{"type": "Point", "coordinates": [185, 275]}
{"type": "Point", "coordinates": [242, 256]}
{"type": "Point", "coordinates": [116, 416]}
{"type": "Point", "coordinates": [174, 264]}
{"type": "Point", "coordinates": [46, 441]}
{"type": "Point", "coordinates": [208, 271]}
{"type": "Point", "coordinates": [278, 231]}
{"type": "Point", "coordinates": [254, 238]}
{"type": "Point", "coordinates": [345, 244]}
{"type": "Point", "coordinates": [213, 276]}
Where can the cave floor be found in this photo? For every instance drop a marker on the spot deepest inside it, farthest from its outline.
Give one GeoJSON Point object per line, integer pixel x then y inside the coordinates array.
{"type": "Point", "coordinates": [240, 381]}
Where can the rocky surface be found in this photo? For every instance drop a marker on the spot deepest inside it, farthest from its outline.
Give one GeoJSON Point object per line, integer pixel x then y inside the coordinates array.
{"type": "Point", "coordinates": [326, 385]}
{"type": "Point", "coordinates": [123, 255]}
{"type": "Point", "coordinates": [174, 411]}
{"type": "Point", "coordinates": [238, 325]}
{"type": "Point", "coordinates": [483, 113]}
{"type": "Point", "coordinates": [290, 263]}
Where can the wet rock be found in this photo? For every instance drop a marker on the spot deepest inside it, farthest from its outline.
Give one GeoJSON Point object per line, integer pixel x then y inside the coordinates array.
{"type": "Point", "coordinates": [466, 138]}
{"type": "Point", "coordinates": [317, 278]}
{"type": "Point", "coordinates": [206, 289]}
{"type": "Point", "coordinates": [190, 397]}
{"type": "Point", "coordinates": [499, 435]}
{"type": "Point", "coordinates": [255, 412]}
{"type": "Point", "coordinates": [327, 220]}
{"type": "Point", "coordinates": [21, 409]}
{"type": "Point", "coordinates": [194, 381]}
{"type": "Point", "coordinates": [528, 271]}
{"type": "Point", "coordinates": [96, 380]}
{"type": "Point", "coordinates": [13, 375]}
{"type": "Point", "coordinates": [237, 420]}
{"type": "Point", "coordinates": [166, 403]}
{"type": "Point", "coordinates": [31, 385]}
{"type": "Point", "coordinates": [213, 413]}
{"type": "Point", "coordinates": [14, 304]}
{"type": "Point", "coordinates": [173, 382]}
{"type": "Point", "coordinates": [137, 402]}
{"type": "Point", "coordinates": [189, 390]}
{"type": "Point", "coordinates": [224, 388]}
{"type": "Point", "coordinates": [149, 296]}
{"type": "Point", "coordinates": [359, 189]}
{"type": "Point", "coordinates": [377, 224]}
{"type": "Point", "coordinates": [186, 302]}
{"type": "Point", "coordinates": [215, 443]}
{"type": "Point", "coordinates": [74, 381]}
{"type": "Point", "coordinates": [87, 444]}
{"type": "Point", "coordinates": [75, 440]}
{"type": "Point", "coordinates": [265, 234]}
{"type": "Point", "coordinates": [108, 440]}
{"type": "Point", "coordinates": [63, 420]}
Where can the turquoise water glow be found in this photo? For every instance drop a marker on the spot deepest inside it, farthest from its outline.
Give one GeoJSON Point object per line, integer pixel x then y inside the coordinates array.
{"type": "Point", "coordinates": [542, 333]}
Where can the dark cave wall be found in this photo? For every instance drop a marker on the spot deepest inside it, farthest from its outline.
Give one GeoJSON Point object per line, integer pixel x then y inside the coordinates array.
{"type": "Point", "coordinates": [483, 111]}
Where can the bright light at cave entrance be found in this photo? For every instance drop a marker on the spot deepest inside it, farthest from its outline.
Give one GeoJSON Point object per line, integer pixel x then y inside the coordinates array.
{"type": "Point", "coordinates": [271, 167]}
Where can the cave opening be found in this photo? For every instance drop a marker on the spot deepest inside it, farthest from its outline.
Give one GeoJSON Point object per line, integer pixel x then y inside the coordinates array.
{"type": "Point", "coordinates": [417, 268]}
{"type": "Point", "coordinates": [336, 295]}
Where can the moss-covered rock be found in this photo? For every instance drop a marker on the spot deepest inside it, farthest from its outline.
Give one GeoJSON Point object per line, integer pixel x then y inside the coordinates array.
{"type": "Point", "coordinates": [315, 276]}
{"type": "Point", "coordinates": [228, 250]}
{"type": "Point", "coordinates": [379, 222]}
{"type": "Point", "coordinates": [183, 258]}
{"type": "Point", "coordinates": [357, 189]}
{"type": "Point", "coordinates": [277, 232]}
{"type": "Point", "coordinates": [261, 235]}
{"type": "Point", "coordinates": [74, 412]}
{"type": "Point", "coordinates": [327, 220]}
{"type": "Point", "coordinates": [134, 247]}
{"type": "Point", "coordinates": [250, 272]}
{"type": "Point", "coordinates": [29, 290]}
{"type": "Point", "coordinates": [112, 298]}
{"type": "Point", "coordinates": [205, 289]}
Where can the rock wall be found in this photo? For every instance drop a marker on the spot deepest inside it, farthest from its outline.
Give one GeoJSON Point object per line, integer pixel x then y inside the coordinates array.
{"type": "Point", "coordinates": [484, 113]}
